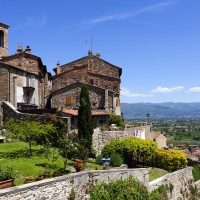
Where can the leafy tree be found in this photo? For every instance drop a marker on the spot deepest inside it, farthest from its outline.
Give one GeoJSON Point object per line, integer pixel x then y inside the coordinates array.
{"type": "Point", "coordinates": [61, 128]}
{"type": "Point", "coordinates": [116, 119]}
{"type": "Point", "coordinates": [67, 147]}
{"type": "Point", "coordinates": [85, 123]}
{"type": "Point", "coordinates": [29, 131]}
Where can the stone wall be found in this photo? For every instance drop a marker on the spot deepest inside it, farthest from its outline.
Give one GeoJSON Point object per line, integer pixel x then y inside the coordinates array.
{"type": "Point", "coordinates": [97, 97]}
{"type": "Point", "coordinates": [180, 184]}
{"type": "Point", "coordinates": [91, 71]}
{"type": "Point", "coordinates": [4, 48]}
{"type": "Point", "coordinates": [59, 188]}
{"type": "Point", "coordinates": [100, 138]}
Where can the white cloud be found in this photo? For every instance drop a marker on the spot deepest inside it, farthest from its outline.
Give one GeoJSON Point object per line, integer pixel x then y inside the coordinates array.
{"type": "Point", "coordinates": [167, 90]}
{"type": "Point", "coordinates": [127, 93]}
{"type": "Point", "coordinates": [194, 89]}
{"type": "Point", "coordinates": [116, 17]}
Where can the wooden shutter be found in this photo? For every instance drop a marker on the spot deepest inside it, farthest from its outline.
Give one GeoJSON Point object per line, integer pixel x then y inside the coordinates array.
{"type": "Point", "coordinates": [68, 100]}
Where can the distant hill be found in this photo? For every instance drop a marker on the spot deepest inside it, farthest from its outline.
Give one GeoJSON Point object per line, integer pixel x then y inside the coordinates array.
{"type": "Point", "coordinates": [160, 110]}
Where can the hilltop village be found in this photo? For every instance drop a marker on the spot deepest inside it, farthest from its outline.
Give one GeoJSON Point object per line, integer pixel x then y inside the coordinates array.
{"type": "Point", "coordinates": [51, 103]}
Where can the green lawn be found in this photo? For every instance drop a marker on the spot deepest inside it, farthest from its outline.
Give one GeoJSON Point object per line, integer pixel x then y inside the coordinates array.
{"type": "Point", "coordinates": [155, 173]}
{"type": "Point", "coordinates": [16, 155]}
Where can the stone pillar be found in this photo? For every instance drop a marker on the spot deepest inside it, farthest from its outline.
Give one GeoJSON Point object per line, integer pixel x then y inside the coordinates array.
{"type": "Point", "coordinates": [106, 99]}
{"type": "Point", "coordinates": [15, 92]}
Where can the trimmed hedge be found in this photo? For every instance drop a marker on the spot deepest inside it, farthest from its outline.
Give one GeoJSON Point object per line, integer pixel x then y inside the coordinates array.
{"type": "Point", "coordinates": [171, 160]}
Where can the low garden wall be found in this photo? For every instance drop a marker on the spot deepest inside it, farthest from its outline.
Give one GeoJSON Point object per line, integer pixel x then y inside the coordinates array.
{"type": "Point", "coordinates": [180, 184]}
{"type": "Point", "coordinates": [100, 138]}
{"type": "Point", "coordinates": [59, 188]}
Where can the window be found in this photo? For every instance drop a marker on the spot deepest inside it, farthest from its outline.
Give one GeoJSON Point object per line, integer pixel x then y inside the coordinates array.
{"type": "Point", "coordinates": [1, 39]}
{"type": "Point", "coordinates": [91, 82]}
{"type": "Point", "coordinates": [68, 100]}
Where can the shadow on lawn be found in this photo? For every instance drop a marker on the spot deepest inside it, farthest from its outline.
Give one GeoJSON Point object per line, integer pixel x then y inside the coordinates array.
{"type": "Point", "coordinates": [22, 153]}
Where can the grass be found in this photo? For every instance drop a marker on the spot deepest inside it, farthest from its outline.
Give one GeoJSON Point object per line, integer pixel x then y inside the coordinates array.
{"type": "Point", "coordinates": [196, 173]}
{"type": "Point", "coordinates": [155, 173]}
{"type": "Point", "coordinates": [16, 155]}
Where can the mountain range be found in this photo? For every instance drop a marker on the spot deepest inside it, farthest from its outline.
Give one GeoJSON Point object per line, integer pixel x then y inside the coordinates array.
{"type": "Point", "coordinates": [160, 110]}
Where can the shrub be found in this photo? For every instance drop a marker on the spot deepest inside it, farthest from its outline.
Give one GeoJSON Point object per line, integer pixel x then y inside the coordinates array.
{"type": "Point", "coordinates": [116, 119]}
{"type": "Point", "coordinates": [170, 160]}
{"type": "Point", "coordinates": [116, 160]}
{"type": "Point", "coordinates": [119, 190]}
{"type": "Point", "coordinates": [99, 160]}
{"type": "Point", "coordinates": [131, 149]}
{"type": "Point", "coordinates": [159, 193]}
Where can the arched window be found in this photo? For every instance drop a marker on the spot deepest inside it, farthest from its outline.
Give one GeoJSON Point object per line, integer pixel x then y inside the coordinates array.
{"type": "Point", "coordinates": [1, 38]}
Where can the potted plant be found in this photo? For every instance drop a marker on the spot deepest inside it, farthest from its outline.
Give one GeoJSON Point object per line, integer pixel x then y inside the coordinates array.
{"type": "Point", "coordinates": [6, 177]}
{"type": "Point", "coordinates": [79, 166]}
{"type": "Point", "coordinates": [29, 179]}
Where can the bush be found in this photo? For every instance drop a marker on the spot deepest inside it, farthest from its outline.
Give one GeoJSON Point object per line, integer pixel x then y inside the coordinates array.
{"type": "Point", "coordinates": [171, 160]}
{"type": "Point", "coordinates": [117, 119]}
{"type": "Point", "coordinates": [99, 160]}
{"type": "Point", "coordinates": [119, 190]}
{"type": "Point", "coordinates": [131, 149]}
{"type": "Point", "coordinates": [159, 193]}
{"type": "Point", "coordinates": [116, 160]}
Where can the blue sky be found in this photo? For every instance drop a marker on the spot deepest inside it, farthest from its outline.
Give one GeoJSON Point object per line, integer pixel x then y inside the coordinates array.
{"type": "Point", "coordinates": [155, 42]}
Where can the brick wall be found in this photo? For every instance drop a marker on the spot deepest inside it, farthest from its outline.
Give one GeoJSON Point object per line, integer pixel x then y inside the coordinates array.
{"type": "Point", "coordinates": [96, 73]}
{"type": "Point", "coordinates": [23, 61]}
{"type": "Point", "coordinates": [97, 97]}
{"type": "Point", "coordinates": [4, 84]}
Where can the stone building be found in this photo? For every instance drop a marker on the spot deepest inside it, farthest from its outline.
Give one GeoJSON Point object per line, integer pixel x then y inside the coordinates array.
{"type": "Point", "coordinates": [102, 80]}
{"type": "Point", "coordinates": [160, 139]}
{"type": "Point", "coordinates": [24, 80]}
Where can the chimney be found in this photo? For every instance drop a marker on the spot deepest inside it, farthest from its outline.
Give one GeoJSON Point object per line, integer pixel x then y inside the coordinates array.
{"type": "Point", "coordinates": [90, 53]}
{"type": "Point", "coordinates": [19, 49]}
{"type": "Point", "coordinates": [58, 67]}
{"type": "Point", "coordinates": [28, 50]}
{"type": "Point", "coordinates": [98, 55]}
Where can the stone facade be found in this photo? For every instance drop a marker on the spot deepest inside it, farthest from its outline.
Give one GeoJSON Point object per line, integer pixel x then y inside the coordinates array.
{"type": "Point", "coordinates": [3, 40]}
{"type": "Point", "coordinates": [59, 188]}
{"type": "Point", "coordinates": [101, 78]}
{"type": "Point", "coordinates": [100, 138]}
{"type": "Point", "coordinates": [180, 183]}
{"type": "Point", "coordinates": [24, 80]}
{"type": "Point", "coordinates": [160, 139]}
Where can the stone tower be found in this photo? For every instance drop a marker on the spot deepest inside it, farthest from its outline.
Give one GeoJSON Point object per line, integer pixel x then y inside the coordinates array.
{"type": "Point", "coordinates": [3, 40]}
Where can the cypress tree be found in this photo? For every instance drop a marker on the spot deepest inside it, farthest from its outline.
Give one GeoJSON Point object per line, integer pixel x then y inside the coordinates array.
{"type": "Point", "coordinates": [85, 121]}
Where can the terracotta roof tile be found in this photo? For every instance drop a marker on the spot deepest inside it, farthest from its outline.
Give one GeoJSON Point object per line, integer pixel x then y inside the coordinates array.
{"type": "Point", "coordinates": [94, 112]}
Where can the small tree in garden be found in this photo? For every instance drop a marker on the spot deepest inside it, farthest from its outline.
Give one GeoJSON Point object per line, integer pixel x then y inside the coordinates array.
{"type": "Point", "coordinates": [85, 123]}
{"type": "Point", "coordinates": [61, 129]}
{"type": "Point", "coordinates": [29, 131]}
{"type": "Point", "coordinates": [117, 119]}
{"type": "Point", "coordinates": [67, 146]}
